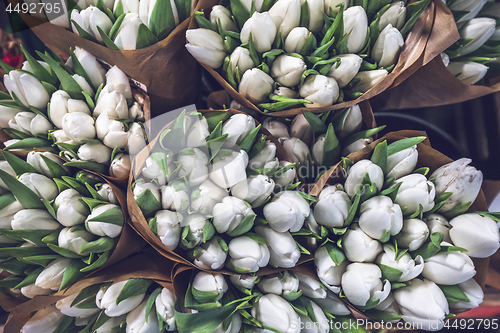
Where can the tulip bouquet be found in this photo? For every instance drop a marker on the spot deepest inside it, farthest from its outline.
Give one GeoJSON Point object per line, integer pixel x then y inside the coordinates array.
{"type": "Point", "coordinates": [291, 53]}
{"type": "Point", "coordinates": [124, 25]}
{"type": "Point", "coordinates": [55, 226]}
{"type": "Point", "coordinates": [91, 118]}
{"type": "Point", "coordinates": [404, 231]}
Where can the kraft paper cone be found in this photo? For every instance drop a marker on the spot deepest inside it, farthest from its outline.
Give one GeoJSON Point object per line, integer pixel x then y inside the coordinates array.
{"type": "Point", "coordinates": [168, 71]}
{"type": "Point", "coordinates": [415, 53]}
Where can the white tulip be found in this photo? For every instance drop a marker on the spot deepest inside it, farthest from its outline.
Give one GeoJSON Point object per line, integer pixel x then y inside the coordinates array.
{"type": "Point", "coordinates": [126, 39]}
{"type": "Point", "coordinates": [210, 255]}
{"type": "Point", "coordinates": [5, 166]}
{"type": "Point", "coordinates": [244, 281]}
{"type": "Point", "coordinates": [255, 85]}
{"type": "Point", "coordinates": [206, 196]}
{"type": "Point", "coordinates": [61, 103]}
{"type": "Point", "coordinates": [112, 100]}
{"type": "Point", "coordinates": [478, 29]}
{"type": "Point", "coordinates": [348, 68]}
{"type": "Point", "coordinates": [445, 58]}
{"type": "Point", "coordinates": [469, 72]}
{"type": "Point", "coordinates": [360, 170]}
{"type": "Point", "coordinates": [286, 92]}
{"type": "Point", "coordinates": [60, 136]}
{"type": "Point", "coordinates": [282, 247]}
{"type": "Point", "coordinates": [332, 304]}
{"type": "Point", "coordinates": [237, 127]}
{"type": "Point", "coordinates": [474, 293]}
{"type": "Point", "coordinates": [478, 234]}
{"type": "Point", "coordinates": [255, 189]}
{"type": "Point", "coordinates": [402, 163]}
{"type": "Point", "coordinates": [111, 324]}
{"type": "Point", "coordinates": [415, 190]}
{"type": "Point", "coordinates": [64, 305]}
{"type": "Point", "coordinates": [33, 219]}
{"type": "Point", "coordinates": [70, 208]}
{"type": "Point", "coordinates": [332, 4]}
{"type": "Point", "coordinates": [106, 192]}
{"type": "Point", "coordinates": [332, 207]}
{"type": "Point", "coordinates": [198, 133]}
{"type": "Point", "coordinates": [45, 320]}
{"type": "Point", "coordinates": [263, 30]}
{"type": "Point", "coordinates": [89, 19]}
{"type": "Point", "coordinates": [32, 290]}
{"type": "Point", "coordinates": [154, 168]}
{"type": "Point", "coordinates": [316, 19]}
{"type": "Point", "coordinates": [356, 28]}
{"type": "Point", "coordinates": [310, 286]}
{"type": "Point", "coordinates": [410, 268]}
{"type": "Point", "coordinates": [276, 128]}
{"type": "Point", "coordinates": [120, 166]}
{"type": "Point", "coordinates": [241, 58]}
{"type": "Point", "coordinates": [282, 284]}
{"type": "Point", "coordinates": [27, 88]}
{"type": "Point", "coordinates": [146, 11]}
{"type": "Point", "coordinates": [31, 123]}
{"type": "Point", "coordinates": [168, 228]}
{"type": "Point", "coordinates": [136, 141]}
{"type": "Point", "coordinates": [52, 275]}
{"type": "Point", "coordinates": [92, 67]}
{"type": "Point", "coordinates": [27, 66]}
{"type": "Point", "coordinates": [361, 284]}
{"type": "Point", "coordinates": [106, 300]}
{"type": "Point", "coordinates": [319, 89]}
{"type": "Point", "coordinates": [7, 114]}
{"type": "Point", "coordinates": [247, 255]}
{"type": "Point", "coordinates": [74, 239]}
{"type": "Point", "coordinates": [222, 14]}
{"type": "Point", "coordinates": [369, 79]}
{"type": "Point", "coordinates": [296, 39]}
{"type": "Point", "coordinates": [206, 46]}
{"type": "Point", "coordinates": [449, 268]}
{"type": "Point", "coordinates": [175, 196]}
{"type": "Point", "coordinates": [395, 15]}
{"type": "Point", "coordinates": [358, 246]}
{"type": "Point", "coordinates": [320, 324]}
{"type": "Point", "coordinates": [387, 47]}
{"type": "Point", "coordinates": [437, 223]}
{"type": "Point", "coordinates": [265, 156]}
{"type": "Point", "coordinates": [283, 179]}
{"type": "Point", "coordinates": [141, 186]}
{"type": "Point", "coordinates": [273, 311]}
{"type": "Point", "coordinates": [128, 6]}
{"type": "Point", "coordinates": [117, 80]}
{"type": "Point", "coordinates": [422, 304]}
{"type": "Point", "coordinates": [104, 228]}
{"type": "Point", "coordinates": [7, 214]}
{"type": "Point", "coordinates": [96, 152]}
{"type": "Point", "coordinates": [41, 185]}
{"type": "Point", "coordinates": [35, 159]}
{"type": "Point", "coordinates": [380, 217]}
{"type": "Point", "coordinates": [413, 234]}
{"type": "Point", "coordinates": [194, 166]}
{"type": "Point", "coordinates": [165, 307]}
{"type": "Point", "coordinates": [229, 213]}
{"type": "Point", "coordinates": [229, 170]}
{"type": "Point", "coordinates": [234, 325]}
{"type": "Point", "coordinates": [472, 8]}
{"type": "Point", "coordinates": [213, 284]}
{"type": "Point", "coordinates": [352, 122]}
{"type": "Point", "coordinates": [296, 149]}
{"type": "Point", "coordinates": [196, 224]}
{"type": "Point", "coordinates": [287, 211]}
{"type": "Point", "coordinates": [111, 131]}
{"type": "Point", "coordinates": [78, 126]}
{"type": "Point", "coordinates": [288, 70]}
{"type": "Point", "coordinates": [286, 15]}
{"type": "Point", "coordinates": [300, 128]}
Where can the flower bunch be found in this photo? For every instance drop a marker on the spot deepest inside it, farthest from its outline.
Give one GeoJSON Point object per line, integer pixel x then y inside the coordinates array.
{"type": "Point", "coordinates": [279, 54]}
{"type": "Point", "coordinates": [124, 25]}
{"type": "Point", "coordinates": [316, 142]}
{"type": "Point", "coordinates": [217, 188]}
{"type": "Point", "coordinates": [55, 226]}
{"type": "Point", "coordinates": [133, 305]}
{"type": "Point", "coordinates": [392, 236]}
{"type": "Point", "coordinates": [476, 53]}
{"type": "Point", "coordinates": [91, 118]}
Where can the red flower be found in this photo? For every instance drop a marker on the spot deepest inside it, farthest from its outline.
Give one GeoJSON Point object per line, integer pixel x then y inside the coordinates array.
{"type": "Point", "coordinates": [12, 59]}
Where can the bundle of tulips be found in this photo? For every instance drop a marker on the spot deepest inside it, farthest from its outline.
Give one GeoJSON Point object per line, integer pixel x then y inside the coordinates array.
{"type": "Point", "coordinates": [293, 53]}
{"type": "Point", "coordinates": [79, 109]}
{"type": "Point", "coordinates": [56, 225]}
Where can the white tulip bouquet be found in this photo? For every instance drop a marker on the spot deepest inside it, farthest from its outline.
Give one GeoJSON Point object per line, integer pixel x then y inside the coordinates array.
{"type": "Point", "coordinates": [55, 226]}
{"type": "Point", "coordinates": [405, 231]}
{"type": "Point", "coordinates": [290, 53]}
{"type": "Point", "coordinates": [86, 113]}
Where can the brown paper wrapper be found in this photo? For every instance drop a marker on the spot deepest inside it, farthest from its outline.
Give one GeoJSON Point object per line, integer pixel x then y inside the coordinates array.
{"type": "Point", "coordinates": [143, 265]}
{"type": "Point", "coordinates": [422, 44]}
{"type": "Point", "coordinates": [169, 72]}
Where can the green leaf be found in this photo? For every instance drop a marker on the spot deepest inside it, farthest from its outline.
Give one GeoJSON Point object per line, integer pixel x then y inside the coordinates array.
{"type": "Point", "coordinates": [72, 273]}
{"type": "Point", "coordinates": [68, 83]}
{"type": "Point", "coordinates": [215, 117]}
{"type": "Point", "coordinates": [101, 320]}
{"type": "Point", "coordinates": [42, 260]}
{"type": "Point", "coordinates": [362, 135]}
{"type": "Point", "coordinates": [352, 210]}
{"type": "Point", "coordinates": [240, 13]}
{"type": "Point", "coordinates": [30, 143]}
{"type": "Point", "coordinates": [151, 302]}
{"type": "Point", "coordinates": [23, 194]}
{"type": "Point", "coordinates": [148, 203]}
{"type": "Point", "coordinates": [379, 315]}
{"type": "Point", "coordinates": [161, 21]}
{"type": "Point", "coordinates": [455, 211]}
{"type": "Point", "coordinates": [299, 306]}
{"type": "Point", "coordinates": [40, 72]}
{"type": "Point", "coordinates": [77, 66]}
{"type": "Point", "coordinates": [379, 156]}
{"type": "Point", "coordinates": [6, 67]}
{"type": "Point", "coordinates": [335, 253]}
{"type": "Point", "coordinates": [145, 37]}
{"type": "Point", "coordinates": [278, 106]}
{"type": "Point", "coordinates": [98, 263]}
{"type": "Point", "coordinates": [429, 249]}
{"type": "Point", "coordinates": [304, 15]}
{"type": "Point", "coordinates": [390, 273]}
{"type": "Point", "coordinates": [107, 41]}
{"type": "Point", "coordinates": [253, 52]}
{"type": "Point", "coordinates": [14, 266]}
{"type": "Point", "coordinates": [55, 169]}
{"type": "Point", "coordinates": [423, 171]}
{"type": "Point", "coordinates": [113, 215]}
{"type": "Point", "coordinates": [454, 292]}
{"type": "Point", "coordinates": [133, 287]}
{"type": "Point", "coordinates": [331, 148]}
{"type": "Point", "coordinates": [86, 292]}
{"type": "Point", "coordinates": [64, 252]}
{"type": "Point", "coordinates": [203, 22]}
{"type": "Point", "coordinates": [100, 245]}
{"type": "Point", "coordinates": [256, 238]}
{"type": "Point", "coordinates": [392, 191]}
{"type": "Point", "coordinates": [75, 184]}
{"type": "Point", "coordinates": [317, 125]}
{"type": "Point", "coordinates": [403, 144]}
{"type": "Point", "coordinates": [34, 236]}
{"type": "Point", "coordinates": [30, 279]}
{"type": "Point", "coordinates": [247, 143]}
{"type": "Point", "coordinates": [116, 26]}
{"type": "Point", "coordinates": [413, 12]}
{"type": "Point", "coordinates": [18, 164]}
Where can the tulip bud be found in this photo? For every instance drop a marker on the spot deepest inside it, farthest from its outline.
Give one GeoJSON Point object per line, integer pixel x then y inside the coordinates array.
{"type": "Point", "coordinates": [32, 290]}
{"type": "Point", "coordinates": [469, 8]}
{"type": "Point", "coordinates": [437, 223]}
{"type": "Point", "coordinates": [244, 281]}
{"type": "Point", "coordinates": [34, 219]}
{"type": "Point", "coordinates": [387, 47]}
{"type": "Point", "coordinates": [41, 185]}
{"type": "Point", "coordinates": [255, 85]}
{"type": "Point", "coordinates": [310, 286]}
{"type": "Point", "coordinates": [296, 39]}
{"type": "Point", "coordinates": [194, 166]}
{"type": "Point", "coordinates": [286, 92]}
{"type": "Point", "coordinates": [358, 172]}
{"type": "Point", "coordinates": [78, 126]}
{"type": "Point", "coordinates": [30, 123]}
{"type": "Point", "coordinates": [283, 179]}
{"type": "Point", "coordinates": [413, 234]}
{"type": "Point", "coordinates": [230, 170]}
{"type": "Point", "coordinates": [358, 246]}
{"type": "Point", "coordinates": [96, 152]}
{"type": "Point", "coordinates": [328, 271]}
{"type": "Point", "coordinates": [229, 213]}
{"type": "Point", "coordinates": [469, 72]}
{"type": "Point", "coordinates": [222, 14]}
{"type": "Point", "coordinates": [255, 189]}
{"type": "Point", "coordinates": [300, 128]}
{"type": "Point", "coordinates": [415, 190]}
{"type": "Point", "coordinates": [74, 239]}
{"type": "Point", "coordinates": [241, 58]}
{"type": "Point", "coordinates": [115, 102]}
{"type": "Point", "coordinates": [107, 228]}
{"type": "Point", "coordinates": [175, 196]}
{"type": "Point", "coordinates": [332, 304]}
{"type": "Point", "coordinates": [106, 192]}
{"type": "Point", "coordinates": [478, 234]}
{"type": "Point", "coordinates": [333, 5]}
{"type": "Point", "coordinates": [111, 324]}
{"type": "Point", "coordinates": [141, 186]}
{"type": "Point", "coordinates": [266, 155]}
{"type": "Point", "coordinates": [111, 131]}
{"type": "Point", "coordinates": [92, 67]}
{"type": "Point", "coordinates": [348, 68]}
{"type": "Point", "coordinates": [282, 247]}
{"type": "Point", "coordinates": [210, 255]}
{"type": "Point", "coordinates": [448, 268]}
{"type": "Point", "coordinates": [263, 30]}
{"type": "Point", "coordinates": [165, 307]}
{"type": "Point", "coordinates": [286, 15]}
{"type": "Point", "coordinates": [206, 196]}
{"type": "Point", "coordinates": [395, 15]}
{"type": "Point", "coordinates": [356, 28]}
{"type": "Point", "coordinates": [197, 135]}
{"type": "Point", "coordinates": [194, 234]}
{"type": "Point", "coordinates": [64, 305]}
{"type": "Point", "coordinates": [7, 114]}
{"type": "Point", "coordinates": [288, 70]}
{"type": "Point", "coordinates": [320, 324]}
{"type": "Point", "coordinates": [362, 284]}
{"type": "Point", "coordinates": [60, 136]}
{"type": "Point", "coordinates": [106, 300]}
{"type": "Point", "coordinates": [287, 211]}
{"type": "Point", "coordinates": [27, 66]}
{"type": "Point", "coordinates": [237, 127]}
{"type": "Point", "coordinates": [44, 320]}
{"type": "Point", "coordinates": [284, 284]}
{"type": "Point", "coordinates": [445, 58]}
{"type": "Point", "coordinates": [61, 104]}
{"type": "Point", "coordinates": [402, 163]}
{"type": "Point", "coordinates": [479, 30]}
{"type": "Point", "coordinates": [369, 79]}
{"type": "Point", "coordinates": [273, 311]}
{"type": "Point", "coordinates": [332, 207]}
{"type": "Point", "coordinates": [319, 89]}
{"type": "Point", "coordinates": [27, 88]}
{"type": "Point", "coordinates": [52, 275]}
{"type": "Point", "coordinates": [246, 255]}
{"type": "Point", "coordinates": [89, 19]}
{"type": "Point", "coordinates": [474, 293]}
{"type": "Point", "coordinates": [380, 217]}
{"type": "Point", "coordinates": [7, 214]}
{"type": "Point", "coordinates": [168, 228]}
{"type": "Point", "coordinates": [410, 268]}
{"type": "Point", "coordinates": [390, 306]}
{"type": "Point", "coordinates": [70, 209]}
{"type": "Point", "coordinates": [117, 80]}
{"type": "Point", "coordinates": [422, 304]}
{"type": "Point", "coordinates": [208, 288]}
{"type": "Point", "coordinates": [296, 149]}
{"type": "Point", "coordinates": [126, 39]}
{"type": "Point", "coordinates": [276, 128]}
{"type": "Point", "coordinates": [35, 159]}
{"type": "Point", "coordinates": [206, 46]}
